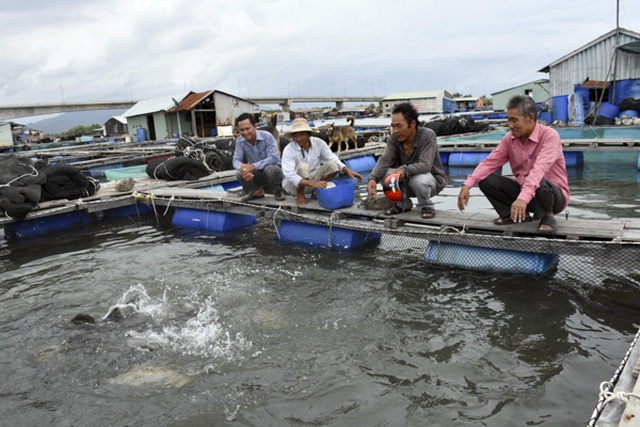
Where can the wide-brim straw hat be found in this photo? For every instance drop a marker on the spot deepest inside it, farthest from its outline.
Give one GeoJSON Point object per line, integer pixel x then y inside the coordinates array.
{"type": "Point", "coordinates": [299, 125]}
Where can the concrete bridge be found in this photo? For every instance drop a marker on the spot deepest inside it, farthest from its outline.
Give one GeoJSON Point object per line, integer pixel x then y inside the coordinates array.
{"type": "Point", "coordinates": [14, 111]}
{"type": "Point", "coordinates": [285, 102]}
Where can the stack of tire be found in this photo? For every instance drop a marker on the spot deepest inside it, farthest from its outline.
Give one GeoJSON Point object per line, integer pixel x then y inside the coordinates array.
{"type": "Point", "coordinates": [454, 125]}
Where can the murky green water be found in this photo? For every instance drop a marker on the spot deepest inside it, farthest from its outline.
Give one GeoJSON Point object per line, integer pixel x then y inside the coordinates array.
{"type": "Point", "coordinates": [240, 330]}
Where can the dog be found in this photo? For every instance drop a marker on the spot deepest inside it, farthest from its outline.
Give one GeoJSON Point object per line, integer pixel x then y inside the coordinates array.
{"type": "Point", "coordinates": [339, 136]}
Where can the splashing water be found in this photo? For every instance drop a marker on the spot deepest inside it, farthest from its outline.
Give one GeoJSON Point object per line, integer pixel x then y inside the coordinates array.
{"type": "Point", "coordinates": [201, 335]}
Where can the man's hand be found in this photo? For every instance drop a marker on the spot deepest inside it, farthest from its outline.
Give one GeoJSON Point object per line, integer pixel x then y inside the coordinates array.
{"type": "Point", "coordinates": [463, 197]}
{"type": "Point", "coordinates": [371, 188]}
{"type": "Point", "coordinates": [518, 210]}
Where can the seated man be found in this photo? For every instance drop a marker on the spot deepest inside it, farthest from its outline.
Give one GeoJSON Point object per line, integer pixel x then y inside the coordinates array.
{"type": "Point", "coordinates": [256, 160]}
{"type": "Point", "coordinates": [540, 183]}
{"type": "Point", "coordinates": [308, 163]}
{"type": "Point", "coordinates": [412, 154]}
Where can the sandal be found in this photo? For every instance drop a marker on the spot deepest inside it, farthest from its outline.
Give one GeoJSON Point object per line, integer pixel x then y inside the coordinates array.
{"type": "Point", "coordinates": [548, 221]}
{"type": "Point", "coordinates": [394, 210]}
{"type": "Point", "coordinates": [508, 221]}
{"type": "Point", "coordinates": [428, 213]}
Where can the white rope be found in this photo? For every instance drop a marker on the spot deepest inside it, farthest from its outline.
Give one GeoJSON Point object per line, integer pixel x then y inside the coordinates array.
{"type": "Point", "coordinates": [608, 395]}
{"type": "Point", "coordinates": [607, 386]}
{"type": "Point", "coordinates": [275, 224]}
{"type": "Point", "coordinates": [173, 197]}
{"type": "Point", "coordinates": [8, 184]}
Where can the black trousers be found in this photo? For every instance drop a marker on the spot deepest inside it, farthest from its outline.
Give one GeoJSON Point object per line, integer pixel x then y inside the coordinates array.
{"type": "Point", "coordinates": [502, 192]}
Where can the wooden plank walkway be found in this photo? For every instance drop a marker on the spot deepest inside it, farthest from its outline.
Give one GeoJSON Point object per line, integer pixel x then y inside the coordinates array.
{"type": "Point", "coordinates": [623, 230]}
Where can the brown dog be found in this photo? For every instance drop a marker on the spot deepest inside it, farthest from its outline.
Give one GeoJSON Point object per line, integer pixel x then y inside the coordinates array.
{"type": "Point", "coordinates": [340, 135]}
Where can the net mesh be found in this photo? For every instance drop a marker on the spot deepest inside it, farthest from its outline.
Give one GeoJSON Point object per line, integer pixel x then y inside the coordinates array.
{"type": "Point", "coordinates": [447, 247]}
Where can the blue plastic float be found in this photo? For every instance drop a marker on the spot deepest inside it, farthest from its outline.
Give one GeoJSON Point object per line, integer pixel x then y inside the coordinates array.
{"type": "Point", "coordinates": [46, 225]}
{"type": "Point", "coordinates": [210, 220]}
{"type": "Point", "coordinates": [323, 237]}
{"type": "Point", "coordinates": [361, 164]}
{"type": "Point", "coordinates": [489, 259]}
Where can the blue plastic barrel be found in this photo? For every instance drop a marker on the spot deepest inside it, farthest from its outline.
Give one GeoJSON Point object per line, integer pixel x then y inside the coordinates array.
{"type": "Point", "coordinates": [361, 164]}
{"type": "Point", "coordinates": [560, 108]}
{"type": "Point", "coordinates": [574, 159]}
{"type": "Point", "coordinates": [210, 220]}
{"type": "Point", "coordinates": [490, 259]}
{"type": "Point", "coordinates": [323, 237]}
{"type": "Point", "coordinates": [609, 111]}
{"type": "Point", "coordinates": [46, 225]}
{"type": "Point", "coordinates": [628, 113]}
{"type": "Point", "coordinates": [545, 116]}
{"type": "Point", "coordinates": [444, 158]}
{"type": "Point", "coordinates": [141, 134]}
{"type": "Point", "coordinates": [466, 159]}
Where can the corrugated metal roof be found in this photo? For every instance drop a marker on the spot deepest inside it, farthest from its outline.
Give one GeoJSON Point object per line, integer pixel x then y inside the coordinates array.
{"type": "Point", "coordinates": [190, 101]}
{"type": "Point", "coordinates": [611, 33]}
{"type": "Point", "coordinates": [535, 82]}
{"type": "Point", "coordinates": [417, 95]}
{"type": "Point", "coordinates": [149, 106]}
{"type": "Point", "coordinates": [121, 119]}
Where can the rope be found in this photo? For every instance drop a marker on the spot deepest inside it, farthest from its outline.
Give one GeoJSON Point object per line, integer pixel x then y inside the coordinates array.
{"type": "Point", "coordinates": [607, 386]}
{"type": "Point", "coordinates": [8, 184]}
{"type": "Point", "coordinates": [608, 395]}
{"type": "Point", "coordinates": [275, 224]}
{"type": "Point", "coordinates": [148, 198]}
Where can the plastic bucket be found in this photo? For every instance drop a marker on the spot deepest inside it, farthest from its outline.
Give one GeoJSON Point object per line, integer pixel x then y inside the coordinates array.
{"type": "Point", "coordinates": [339, 196]}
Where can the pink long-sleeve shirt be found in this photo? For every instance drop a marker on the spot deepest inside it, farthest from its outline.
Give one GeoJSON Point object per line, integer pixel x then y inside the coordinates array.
{"type": "Point", "coordinates": [540, 156]}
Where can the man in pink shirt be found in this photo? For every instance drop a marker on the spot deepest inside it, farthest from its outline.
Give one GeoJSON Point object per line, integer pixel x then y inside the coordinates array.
{"type": "Point", "coordinates": [540, 184]}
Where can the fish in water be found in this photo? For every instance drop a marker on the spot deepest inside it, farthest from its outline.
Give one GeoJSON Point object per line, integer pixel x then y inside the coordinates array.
{"type": "Point", "coordinates": [114, 315]}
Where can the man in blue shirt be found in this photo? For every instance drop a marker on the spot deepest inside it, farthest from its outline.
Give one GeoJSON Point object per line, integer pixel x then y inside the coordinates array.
{"type": "Point", "coordinates": [256, 160]}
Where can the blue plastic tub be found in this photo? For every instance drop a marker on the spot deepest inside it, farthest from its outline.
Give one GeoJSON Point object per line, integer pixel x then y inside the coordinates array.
{"type": "Point", "coordinates": [47, 225]}
{"type": "Point", "coordinates": [336, 197]}
{"type": "Point", "coordinates": [210, 220]}
{"type": "Point", "coordinates": [361, 164]}
{"type": "Point", "coordinates": [489, 259]}
{"type": "Point", "coordinates": [323, 237]}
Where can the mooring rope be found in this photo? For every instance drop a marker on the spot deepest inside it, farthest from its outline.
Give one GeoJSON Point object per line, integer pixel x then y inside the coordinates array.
{"type": "Point", "coordinates": [147, 198]}
{"type": "Point", "coordinates": [606, 387]}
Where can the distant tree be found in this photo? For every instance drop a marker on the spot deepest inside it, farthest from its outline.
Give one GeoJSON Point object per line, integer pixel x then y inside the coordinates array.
{"type": "Point", "coordinates": [80, 130]}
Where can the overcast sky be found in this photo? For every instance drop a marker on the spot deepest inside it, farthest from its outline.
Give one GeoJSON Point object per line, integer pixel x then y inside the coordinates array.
{"type": "Point", "coordinates": [95, 50]}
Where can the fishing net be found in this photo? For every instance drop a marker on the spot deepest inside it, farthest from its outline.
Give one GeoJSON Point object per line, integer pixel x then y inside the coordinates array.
{"type": "Point", "coordinates": [444, 247]}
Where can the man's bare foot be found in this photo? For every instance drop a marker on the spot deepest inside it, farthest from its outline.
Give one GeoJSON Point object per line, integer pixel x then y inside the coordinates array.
{"type": "Point", "coordinates": [300, 200]}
